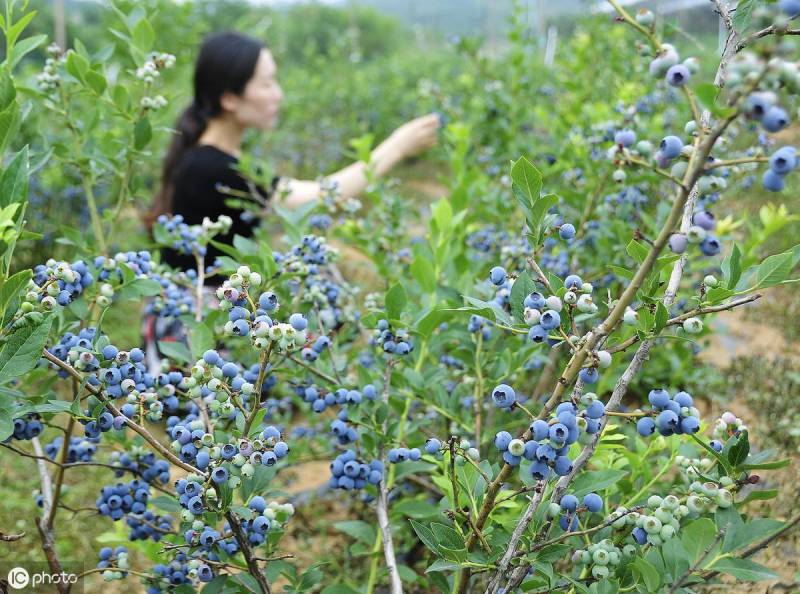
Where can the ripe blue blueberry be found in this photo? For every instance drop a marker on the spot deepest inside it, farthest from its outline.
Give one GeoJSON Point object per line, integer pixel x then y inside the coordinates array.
{"type": "Point", "coordinates": [772, 181]}
{"type": "Point", "coordinates": [549, 320]}
{"type": "Point", "coordinates": [710, 246]}
{"type": "Point", "coordinates": [667, 422]}
{"type": "Point", "coordinates": [504, 396]}
{"type": "Point", "coordinates": [596, 410]}
{"type": "Point", "coordinates": [535, 301]}
{"type": "Point", "coordinates": [639, 535]}
{"type": "Point", "coordinates": [716, 445]}
{"type": "Point", "coordinates": [704, 219]}
{"type": "Point", "coordinates": [684, 399]}
{"type": "Point", "coordinates": [783, 160]}
{"type": "Point", "coordinates": [671, 146]}
{"type": "Point", "coordinates": [497, 275]}
{"type": "Point", "coordinates": [658, 398]}
{"type": "Point", "coordinates": [589, 375]}
{"type": "Point", "coordinates": [646, 426]}
{"type": "Point", "coordinates": [790, 8]}
{"type": "Point", "coordinates": [502, 439]}
{"type": "Point", "coordinates": [298, 321]}
{"type": "Point", "coordinates": [537, 333]}
{"type": "Point", "coordinates": [775, 119]}
{"type": "Point", "coordinates": [678, 243]}
{"type": "Point", "coordinates": [563, 466]}
{"type": "Point", "coordinates": [540, 471]}
{"type": "Point", "coordinates": [433, 445]}
{"type": "Point", "coordinates": [573, 281]}
{"type": "Point", "coordinates": [678, 75]}
{"type": "Point", "coordinates": [593, 502]}
{"type": "Point", "coordinates": [540, 429]}
{"type": "Point", "coordinates": [625, 137]}
{"type": "Point", "coordinates": [690, 425]}
{"type": "Point", "coordinates": [567, 231]}
{"type": "Point", "coordinates": [569, 503]}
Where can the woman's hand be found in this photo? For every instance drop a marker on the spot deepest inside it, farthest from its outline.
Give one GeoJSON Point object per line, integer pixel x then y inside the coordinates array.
{"type": "Point", "coordinates": [416, 135]}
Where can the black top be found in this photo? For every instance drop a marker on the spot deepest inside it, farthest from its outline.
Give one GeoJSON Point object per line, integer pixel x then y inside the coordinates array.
{"type": "Point", "coordinates": [196, 196]}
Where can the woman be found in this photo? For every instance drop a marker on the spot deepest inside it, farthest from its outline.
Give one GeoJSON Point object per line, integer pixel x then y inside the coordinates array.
{"type": "Point", "coordinates": [235, 88]}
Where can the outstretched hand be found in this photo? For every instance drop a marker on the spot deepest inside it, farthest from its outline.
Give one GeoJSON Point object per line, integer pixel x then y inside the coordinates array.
{"type": "Point", "coordinates": [417, 135]}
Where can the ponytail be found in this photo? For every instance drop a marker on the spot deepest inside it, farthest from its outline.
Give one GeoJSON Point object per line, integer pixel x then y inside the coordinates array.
{"type": "Point", "coordinates": [189, 128]}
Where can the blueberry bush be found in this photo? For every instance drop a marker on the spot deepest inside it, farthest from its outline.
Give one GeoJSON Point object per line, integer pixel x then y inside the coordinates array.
{"type": "Point", "coordinates": [512, 404]}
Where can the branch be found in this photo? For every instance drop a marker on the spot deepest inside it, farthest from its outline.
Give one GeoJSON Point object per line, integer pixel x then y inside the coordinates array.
{"type": "Point", "coordinates": [146, 435]}
{"type": "Point", "coordinates": [685, 316]}
{"type": "Point", "coordinates": [382, 506]}
{"type": "Point", "coordinates": [10, 537]}
{"type": "Point", "coordinates": [60, 471]}
{"type": "Point", "coordinates": [244, 546]}
{"type": "Point", "coordinates": [45, 532]}
{"type": "Point", "coordinates": [700, 561]}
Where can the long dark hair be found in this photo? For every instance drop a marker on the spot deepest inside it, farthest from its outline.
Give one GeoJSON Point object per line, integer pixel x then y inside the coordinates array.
{"type": "Point", "coordinates": [226, 63]}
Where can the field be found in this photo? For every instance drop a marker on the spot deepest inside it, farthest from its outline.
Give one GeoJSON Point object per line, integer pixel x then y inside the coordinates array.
{"type": "Point", "coordinates": [557, 352]}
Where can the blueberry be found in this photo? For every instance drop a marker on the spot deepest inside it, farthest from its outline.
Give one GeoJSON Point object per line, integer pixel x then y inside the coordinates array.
{"type": "Point", "coordinates": [646, 426]}
{"type": "Point", "coordinates": [678, 75]}
{"type": "Point", "coordinates": [540, 471]}
{"type": "Point", "coordinates": [678, 243]}
{"type": "Point", "coordinates": [596, 410]}
{"type": "Point", "coordinates": [593, 502]}
{"type": "Point", "coordinates": [684, 399]}
{"type": "Point", "coordinates": [568, 523]}
{"type": "Point", "coordinates": [558, 433]}
{"type": "Point", "coordinates": [625, 137]}
{"type": "Point", "coordinates": [775, 119]}
{"type": "Point", "coordinates": [710, 246]}
{"type": "Point", "coordinates": [504, 396]}
{"type": "Point", "coordinates": [567, 231]}
{"type": "Point", "coordinates": [667, 421]}
{"type": "Point", "coordinates": [639, 535]}
{"type": "Point", "coordinates": [540, 429]}
{"type": "Point", "coordinates": [783, 160]}
{"type": "Point", "coordinates": [589, 375]}
{"type": "Point", "coordinates": [716, 445]}
{"type": "Point", "coordinates": [569, 503]}
{"type": "Point", "coordinates": [549, 320]}
{"type": "Point", "coordinates": [690, 425]}
{"type": "Point", "coordinates": [433, 445]}
{"type": "Point", "coordinates": [298, 321]}
{"type": "Point", "coordinates": [790, 8]}
{"type": "Point", "coordinates": [671, 146]}
{"type": "Point", "coordinates": [704, 219]}
{"type": "Point", "coordinates": [658, 398]}
{"type": "Point", "coordinates": [573, 281]}
{"type": "Point", "coordinates": [563, 466]}
{"type": "Point", "coordinates": [497, 275]}
{"type": "Point", "coordinates": [772, 181]}
{"type": "Point", "coordinates": [502, 439]}
{"type": "Point", "coordinates": [537, 334]}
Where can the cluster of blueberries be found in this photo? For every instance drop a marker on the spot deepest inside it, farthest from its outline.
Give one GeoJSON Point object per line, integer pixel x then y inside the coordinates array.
{"type": "Point", "coordinates": [394, 343]}
{"type": "Point", "coordinates": [26, 427]}
{"type": "Point", "coordinates": [568, 509]}
{"type": "Point", "coordinates": [114, 562]}
{"type": "Point", "coordinates": [349, 473]}
{"type": "Point", "coordinates": [61, 282]}
{"type": "Point", "coordinates": [676, 415]}
{"type": "Point", "coordinates": [115, 501]}
{"type": "Point", "coordinates": [80, 449]}
{"type": "Point", "coordinates": [701, 233]}
{"type": "Point", "coordinates": [174, 299]}
{"type": "Point", "coordinates": [191, 239]}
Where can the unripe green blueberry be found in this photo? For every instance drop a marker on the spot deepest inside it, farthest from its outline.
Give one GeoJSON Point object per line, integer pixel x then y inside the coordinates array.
{"type": "Point", "coordinates": [670, 502]}
{"type": "Point", "coordinates": [695, 504]}
{"type": "Point", "coordinates": [654, 501]}
{"type": "Point", "coordinates": [630, 317]}
{"type": "Point", "coordinates": [644, 148]}
{"type": "Point", "coordinates": [664, 515]}
{"type": "Point", "coordinates": [725, 481]}
{"type": "Point", "coordinates": [600, 571]}
{"type": "Point", "coordinates": [678, 170]}
{"type": "Point", "coordinates": [693, 326]}
{"type": "Point", "coordinates": [570, 298]}
{"type": "Point", "coordinates": [464, 444]}
{"type": "Point", "coordinates": [651, 525]}
{"type": "Point", "coordinates": [553, 510]}
{"type": "Point", "coordinates": [186, 515]}
{"type": "Point", "coordinates": [667, 532]}
{"type": "Point", "coordinates": [724, 498]}
{"type": "Point", "coordinates": [710, 280]}
{"type": "Point", "coordinates": [629, 550]}
{"type": "Point", "coordinates": [600, 557]}
{"type": "Point", "coordinates": [619, 176]}
{"type": "Point", "coordinates": [247, 470]}
{"type": "Point", "coordinates": [655, 540]}
{"type": "Point", "coordinates": [460, 460]}
{"type": "Point", "coordinates": [474, 454]}
{"type": "Point", "coordinates": [516, 447]}
{"type": "Point", "coordinates": [613, 557]}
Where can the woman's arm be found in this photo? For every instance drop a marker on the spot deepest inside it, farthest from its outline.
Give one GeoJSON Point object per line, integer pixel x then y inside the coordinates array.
{"type": "Point", "coordinates": [409, 139]}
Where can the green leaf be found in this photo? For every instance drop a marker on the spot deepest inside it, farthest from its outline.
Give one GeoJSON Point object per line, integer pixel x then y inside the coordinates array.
{"type": "Point", "coordinates": [443, 565]}
{"type": "Point", "coordinates": [648, 573]}
{"type": "Point", "coordinates": [707, 96]}
{"type": "Point", "coordinates": [662, 317]}
{"type": "Point", "coordinates": [772, 465]}
{"type": "Point", "coordinates": [395, 301]}
{"type": "Point", "coordinates": [732, 267]}
{"type": "Point", "coordinates": [14, 180]}
{"type": "Point", "coordinates": [637, 250]}
{"type": "Point", "coordinates": [718, 294]}
{"type": "Point", "coordinates": [425, 535]}
{"type": "Point", "coordinates": [142, 133]}
{"type": "Point", "coordinates": [26, 46]}
{"type": "Point", "coordinates": [201, 339]}
{"type": "Point", "coordinates": [10, 289]}
{"type": "Point", "coordinates": [738, 449]}
{"type": "Point", "coordinates": [77, 65]}
{"type": "Point", "coordinates": [168, 504]}
{"type": "Point", "coordinates": [143, 35]}
{"type": "Point", "coordinates": [176, 351]}
{"type": "Point", "coordinates": [742, 15]}
{"type": "Point", "coordinates": [521, 288]}
{"type": "Point", "coordinates": [422, 271]}
{"type": "Point", "coordinates": [744, 534]}
{"type": "Point", "coordinates": [22, 351]}
{"type": "Point", "coordinates": [529, 180]}
{"type": "Point", "coordinates": [359, 530]}
{"type": "Point", "coordinates": [744, 569]}
{"type": "Point", "coordinates": [539, 210]}
{"type": "Point", "coordinates": [773, 270]}
{"type": "Point", "coordinates": [447, 537]}
{"type": "Point", "coordinates": [697, 537]}
{"type": "Point", "coordinates": [8, 91]}
{"type": "Point", "coordinates": [596, 480]}
{"type": "Point", "coordinates": [96, 81]}
{"type": "Point", "coordinates": [676, 559]}
{"type": "Point", "coordinates": [761, 495]}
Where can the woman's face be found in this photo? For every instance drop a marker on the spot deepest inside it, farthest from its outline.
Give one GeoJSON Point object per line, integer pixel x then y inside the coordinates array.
{"type": "Point", "coordinates": [258, 105]}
